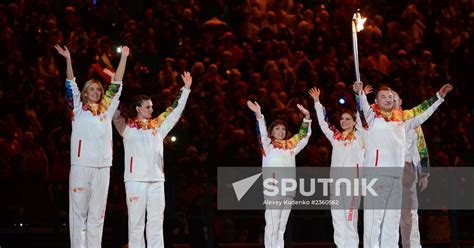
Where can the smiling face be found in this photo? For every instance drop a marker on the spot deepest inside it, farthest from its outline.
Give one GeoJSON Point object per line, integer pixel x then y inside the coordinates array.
{"type": "Point", "coordinates": [384, 100]}
{"type": "Point", "coordinates": [145, 110]}
{"type": "Point", "coordinates": [279, 132]}
{"type": "Point", "coordinates": [92, 92]}
{"type": "Point", "coordinates": [347, 122]}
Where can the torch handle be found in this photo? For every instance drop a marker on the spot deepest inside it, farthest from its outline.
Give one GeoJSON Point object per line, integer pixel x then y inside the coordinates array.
{"type": "Point", "coordinates": [356, 51]}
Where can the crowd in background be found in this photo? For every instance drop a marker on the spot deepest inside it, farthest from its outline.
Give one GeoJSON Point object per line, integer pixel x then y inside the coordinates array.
{"type": "Point", "coordinates": [271, 52]}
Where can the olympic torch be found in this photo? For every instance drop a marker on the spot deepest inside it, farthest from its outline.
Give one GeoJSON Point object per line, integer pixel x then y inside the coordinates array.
{"type": "Point", "coordinates": [357, 26]}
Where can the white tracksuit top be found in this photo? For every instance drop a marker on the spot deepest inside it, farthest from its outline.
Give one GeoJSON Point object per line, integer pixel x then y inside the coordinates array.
{"type": "Point", "coordinates": [144, 147]}
{"type": "Point", "coordinates": [385, 141]}
{"type": "Point", "coordinates": [91, 138]}
{"type": "Point", "coordinates": [345, 153]}
{"type": "Point", "coordinates": [277, 157]}
{"type": "Point", "coordinates": [279, 160]}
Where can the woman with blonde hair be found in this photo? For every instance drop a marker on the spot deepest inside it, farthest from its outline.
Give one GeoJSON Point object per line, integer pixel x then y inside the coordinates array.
{"type": "Point", "coordinates": [92, 111]}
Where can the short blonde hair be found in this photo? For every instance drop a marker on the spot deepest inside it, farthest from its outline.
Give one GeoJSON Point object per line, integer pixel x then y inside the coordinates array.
{"type": "Point", "coordinates": [86, 87]}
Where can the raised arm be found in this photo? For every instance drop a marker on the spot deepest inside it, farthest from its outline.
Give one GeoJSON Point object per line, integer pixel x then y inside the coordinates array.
{"type": "Point", "coordinates": [73, 95]}
{"type": "Point", "coordinates": [418, 115]}
{"type": "Point", "coordinates": [315, 93]}
{"type": "Point", "coordinates": [304, 133]}
{"type": "Point", "coordinates": [264, 140]}
{"type": "Point", "coordinates": [170, 117]}
{"type": "Point", "coordinates": [112, 95]}
{"type": "Point", "coordinates": [362, 104]}
{"type": "Point", "coordinates": [118, 77]}
{"type": "Point", "coordinates": [65, 53]}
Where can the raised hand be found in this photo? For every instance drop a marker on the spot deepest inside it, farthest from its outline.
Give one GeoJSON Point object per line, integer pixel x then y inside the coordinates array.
{"type": "Point", "coordinates": [66, 54]}
{"type": "Point", "coordinates": [125, 50]}
{"type": "Point", "coordinates": [187, 79]}
{"type": "Point", "coordinates": [357, 86]}
{"type": "Point", "coordinates": [368, 89]}
{"type": "Point", "coordinates": [314, 93]}
{"type": "Point", "coordinates": [63, 51]}
{"type": "Point", "coordinates": [445, 90]}
{"type": "Point", "coordinates": [255, 108]}
{"type": "Point", "coordinates": [304, 111]}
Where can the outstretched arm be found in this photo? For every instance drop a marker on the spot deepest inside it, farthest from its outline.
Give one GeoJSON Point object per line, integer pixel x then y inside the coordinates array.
{"type": "Point", "coordinates": [362, 104]}
{"type": "Point", "coordinates": [305, 130]}
{"type": "Point", "coordinates": [112, 95]}
{"type": "Point", "coordinates": [262, 128]}
{"type": "Point", "coordinates": [118, 77]}
{"type": "Point", "coordinates": [170, 117]}
{"type": "Point", "coordinates": [315, 93]}
{"type": "Point", "coordinates": [419, 114]}
{"type": "Point", "coordinates": [65, 53]}
{"type": "Point", "coordinates": [73, 95]}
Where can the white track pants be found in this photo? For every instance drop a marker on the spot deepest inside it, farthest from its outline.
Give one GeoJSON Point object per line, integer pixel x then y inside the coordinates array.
{"type": "Point", "coordinates": [275, 226]}
{"type": "Point", "coordinates": [88, 188]}
{"type": "Point", "coordinates": [380, 223]}
{"type": "Point", "coordinates": [409, 217]}
{"type": "Point", "coordinates": [145, 200]}
{"type": "Point", "coordinates": [344, 222]}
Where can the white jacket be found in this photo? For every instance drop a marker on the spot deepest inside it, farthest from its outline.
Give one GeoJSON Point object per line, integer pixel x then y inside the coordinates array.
{"type": "Point", "coordinates": [385, 141]}
{"type": "Point", "coordinates": [276, 157]}
{"type": "Point", "coordinates": [91, 138]}
{"type": "Point", "coordinates": [280, 163]}
{"type": "Point", "coordinates": [144, 147]}
{"type": "Point", "coordinates": [345, 153]}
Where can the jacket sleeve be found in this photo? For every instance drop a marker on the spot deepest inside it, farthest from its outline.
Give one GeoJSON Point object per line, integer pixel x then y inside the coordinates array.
{"type": "Point", "coordinates": [73, 97]}
{"type": "Point", "coordinates": [418, 115]}
{"type": "Point", "coordinates": [322, 122]}
{"type": "Point", "coordinates": [111, 97]}
{"type": "Point", "coordinates": [263, 135]}
{"type": "Point", "coordinates": [303, 135]}
{"type": "Point", "coordinates": [363, 105]}
{"type": "Point", "coordinates": [168, 119]}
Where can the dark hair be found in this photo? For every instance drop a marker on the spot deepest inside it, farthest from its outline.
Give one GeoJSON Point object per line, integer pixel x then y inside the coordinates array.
{"type": "Point", "coordinates": [351, 113]}
{"type": "Point", "coordinates": [137, 102]}
{"type": "Point", "coordinates": [384, 87]}
{"type": "Point", "coordinates": [276, 123]}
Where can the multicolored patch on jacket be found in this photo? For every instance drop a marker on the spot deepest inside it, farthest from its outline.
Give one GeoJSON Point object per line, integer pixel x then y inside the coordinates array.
{"type": "Point", "coordinates": [161, 118]}
{"type": "Point", "coordinates": [70, 98]}
{"type": "Point", "coordinates": [422, 107]}
{"type": "Point", "coordinates": [403, 115]}
{"type": "Point", "coordinates": [423, 151]}
{"type": "Point", "coordinates": [293, 141]}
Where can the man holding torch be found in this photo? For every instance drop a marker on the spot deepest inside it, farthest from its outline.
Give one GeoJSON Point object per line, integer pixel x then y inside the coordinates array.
{"type": "Point", "coordinates": [385, 141]}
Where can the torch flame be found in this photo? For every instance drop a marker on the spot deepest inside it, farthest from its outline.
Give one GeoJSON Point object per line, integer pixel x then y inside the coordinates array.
{"type": "Point", "coordinates": [359, 21]}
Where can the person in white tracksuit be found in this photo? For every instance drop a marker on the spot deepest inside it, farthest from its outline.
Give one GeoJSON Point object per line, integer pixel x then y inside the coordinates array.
{"type": "Point", "coordinates": [144, 168]}
{"type": "Point", "coordinates": [416, 170]}
{"type": "Point", "coordinates": [385, 147]}
{"type": "Point", "coordinates": [348, 151]}
{"type": "Point", "coordinates": [279, 152]}
{"type": "Point", "coordinates": [91, 151]}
